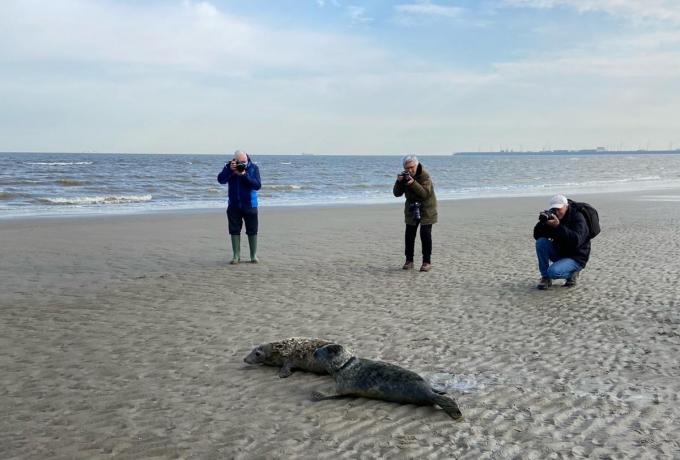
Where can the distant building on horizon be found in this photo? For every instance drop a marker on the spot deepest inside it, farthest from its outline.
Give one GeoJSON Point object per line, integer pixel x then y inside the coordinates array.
{"type": "Point", "coordinates": [595, 151]}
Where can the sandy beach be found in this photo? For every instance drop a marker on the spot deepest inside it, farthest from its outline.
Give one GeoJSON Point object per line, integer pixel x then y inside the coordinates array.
{"type": "Point", "coordinates": [124, 337]}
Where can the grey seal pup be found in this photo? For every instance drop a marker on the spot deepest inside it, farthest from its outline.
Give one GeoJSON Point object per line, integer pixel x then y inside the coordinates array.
{"type": "Point", "coordinates": [289, 354]}
{"type": "Point", "coordinates": [378, 380]}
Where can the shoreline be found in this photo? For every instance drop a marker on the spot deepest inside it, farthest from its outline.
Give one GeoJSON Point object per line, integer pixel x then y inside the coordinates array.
{"type": "Point", "coordinates": [94, 214]}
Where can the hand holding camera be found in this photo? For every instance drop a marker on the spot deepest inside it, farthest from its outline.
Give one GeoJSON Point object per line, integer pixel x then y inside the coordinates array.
{"type": "Point", "coordinates": [405, 176]}
{"type": "Point", "coordinates": [549, 217]}
{"type": "Point", "coordinates": [238, 166]}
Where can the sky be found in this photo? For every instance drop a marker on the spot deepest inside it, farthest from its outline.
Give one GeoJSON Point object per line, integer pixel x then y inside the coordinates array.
{"type": "Point", "coordinates": [338, 77]}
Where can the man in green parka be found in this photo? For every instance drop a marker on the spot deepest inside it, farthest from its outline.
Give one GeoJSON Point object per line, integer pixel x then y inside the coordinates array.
{"type": "Point", "coordinates": [420, 209]}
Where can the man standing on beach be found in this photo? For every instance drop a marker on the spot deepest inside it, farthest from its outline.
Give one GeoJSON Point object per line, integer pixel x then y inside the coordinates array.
{"type": "Point", "coordinates": [563, 238]}
{"type": "Point", "coordinates": [243, 177]}
{"type": "Point", "coordinates": [420, 209]}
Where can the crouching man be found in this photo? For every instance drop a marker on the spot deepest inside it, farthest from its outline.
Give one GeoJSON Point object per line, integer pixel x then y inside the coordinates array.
{"type": "Point", "coordinates": [562, 243]}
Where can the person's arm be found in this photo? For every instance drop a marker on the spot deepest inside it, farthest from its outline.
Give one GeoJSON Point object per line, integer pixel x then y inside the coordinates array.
{"type": "Point", "coordinates": [575, 236]}
{"type": "Point", "coordinates": [398, 188]}
{"type": "Point", "coordinates": [252, 176]}
{"type": "Point", "coordinates": [422, 190]}
{"type": "Point", "coordinates": [541, 230]}
{"type": "Point", "coordinates": [223, 177]}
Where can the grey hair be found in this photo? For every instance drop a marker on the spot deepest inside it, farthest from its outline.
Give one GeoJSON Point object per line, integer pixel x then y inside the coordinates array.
{"type": "Point", "coordinates": [408, 159]}
{"type": "Point", "coordinates": [239, 152]}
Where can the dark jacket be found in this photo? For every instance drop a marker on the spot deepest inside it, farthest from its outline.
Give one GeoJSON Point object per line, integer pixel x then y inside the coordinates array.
{"type": "Point", "coordinates": [242, 189]}
{"type": "Point", "coordinates": [571, 237]}
{"type": "Point", "coordinates": [421, 190]}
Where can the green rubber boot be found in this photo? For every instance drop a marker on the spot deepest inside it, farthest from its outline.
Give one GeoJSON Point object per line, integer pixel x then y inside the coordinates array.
{"type": "Point", "coordinates": [236, 248]}
{"type": "Point", "coordinates": [252, 242]}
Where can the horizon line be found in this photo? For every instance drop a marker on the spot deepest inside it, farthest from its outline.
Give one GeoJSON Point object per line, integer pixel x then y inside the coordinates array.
{"type": "Point", "coordinates": [464, 152]}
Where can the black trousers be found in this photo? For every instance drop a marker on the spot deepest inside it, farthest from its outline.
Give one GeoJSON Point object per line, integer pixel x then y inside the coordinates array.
{"type": "Point", "coordinates": [236, 217]}
{"type": "Point", "coordinates": [425, 240]}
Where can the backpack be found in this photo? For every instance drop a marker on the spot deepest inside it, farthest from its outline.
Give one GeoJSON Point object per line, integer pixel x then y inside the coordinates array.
{"type": "Point", "coordinates": [590, 213]}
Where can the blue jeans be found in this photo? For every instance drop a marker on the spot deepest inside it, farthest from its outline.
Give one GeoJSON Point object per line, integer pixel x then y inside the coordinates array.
{"type": "Point", "coordinates": [560, 268]}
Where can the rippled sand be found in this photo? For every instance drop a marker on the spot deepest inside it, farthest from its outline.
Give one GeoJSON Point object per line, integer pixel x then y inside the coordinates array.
{"type": "Point", "coordinates": [124, 337]}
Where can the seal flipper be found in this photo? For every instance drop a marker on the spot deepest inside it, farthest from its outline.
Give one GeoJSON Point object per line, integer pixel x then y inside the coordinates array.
{"type": "Point", "coordinates": [437, 391]}
{"type": "Point", "coordinates": [449, 406]}
{"type": "Point", "coordinates": [318, 396]}
{"type": "Point", "coordinates": [286, 370]}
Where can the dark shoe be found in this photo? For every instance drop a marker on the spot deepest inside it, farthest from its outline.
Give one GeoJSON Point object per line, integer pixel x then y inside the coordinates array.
{"type": "Point", "coordinates": [544, 284]}
{"type": "Point", "coordinates": [571, 281]}
{"type": "Point", "coordinates": [408, 265]}
{"type": "Point", "coordinates": [426, 267]}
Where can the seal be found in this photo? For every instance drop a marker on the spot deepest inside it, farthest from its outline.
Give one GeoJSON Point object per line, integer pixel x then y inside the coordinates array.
{"type": "Point", "coordinates": [378, 380]}
{"type": "Point", "coordinates": [290, 354]}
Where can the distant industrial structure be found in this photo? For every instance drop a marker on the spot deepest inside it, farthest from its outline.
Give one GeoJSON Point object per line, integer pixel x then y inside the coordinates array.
{"type": "Point", "coordinates": [595, 151]}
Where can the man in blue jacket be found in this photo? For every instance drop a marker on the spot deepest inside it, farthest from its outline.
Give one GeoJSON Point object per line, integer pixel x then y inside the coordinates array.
{"type": "Point", "coordinates": [243, 177]}
{"type": "Point", "coordinates": [562, 237]}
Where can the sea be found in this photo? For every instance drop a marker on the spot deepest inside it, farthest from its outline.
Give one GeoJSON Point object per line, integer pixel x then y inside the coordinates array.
{"type": "Point", "coordinates": [76, 184]}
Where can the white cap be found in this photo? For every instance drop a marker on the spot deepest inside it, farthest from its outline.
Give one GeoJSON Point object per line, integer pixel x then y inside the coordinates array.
{"type": "Point", "coordinates": [558, 202]}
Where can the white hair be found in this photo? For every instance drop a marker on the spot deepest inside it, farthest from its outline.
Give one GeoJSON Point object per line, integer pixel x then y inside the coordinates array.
{"type": "Point", "coordinates": [239, 153]}
{"type": "Point", "coordinates": [408, 159]}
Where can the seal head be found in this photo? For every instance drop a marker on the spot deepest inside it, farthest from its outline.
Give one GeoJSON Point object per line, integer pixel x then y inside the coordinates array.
{"type": "Point", "coordinates": [288, 354]}
{"type": "Point", "coordinates": [333, 357]}
{"type": "Point", "coordinates": [259, 354]}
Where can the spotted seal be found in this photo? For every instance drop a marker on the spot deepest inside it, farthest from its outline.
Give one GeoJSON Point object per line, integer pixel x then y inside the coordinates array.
{"type": "Point", "coordinates": [290, 354]}
{"type": "Point", "coordinates": [378, 380]}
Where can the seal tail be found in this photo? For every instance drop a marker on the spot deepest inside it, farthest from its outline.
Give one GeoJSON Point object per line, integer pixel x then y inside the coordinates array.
{"type": "Point", "coordinates": [449, 406]}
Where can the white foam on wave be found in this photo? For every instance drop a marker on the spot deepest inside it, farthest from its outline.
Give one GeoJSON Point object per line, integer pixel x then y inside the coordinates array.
{"type": "Point", "coordinates": [633, 181]}
{"type": "Point", "coordinates": [281, 187]}
{"type": "Point", "coordinates": [666, 198]}
{"type": "Point", "coordinates": [88, 200]}
{"type": "Point", "coordinates": [59, 163]}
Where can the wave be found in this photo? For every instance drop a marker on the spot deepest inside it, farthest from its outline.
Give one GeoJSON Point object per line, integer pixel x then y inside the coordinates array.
{"type": "Point", "coordinates": [605, 182]}
{"type": "Point", "coordinates": [281, 187]}
{"type": "Point", "coordinates": [85, 200]}
{"type": "Point", "coordinates": [71, 182]}
{"type": "Point", "coordinates": [665, 198]}
{"type": "Point", "coordinates": [58, 163]}
{"type": "Point", "coordinates": [12, 181]}
{"type": "Point", "coordinates": [7, 196]}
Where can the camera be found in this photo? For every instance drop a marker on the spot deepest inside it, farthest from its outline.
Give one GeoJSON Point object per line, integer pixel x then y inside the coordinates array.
{"type": "Point", "coordinates": [240, 165]}
{"type": "Point", "coordinates": [545, 216]}
{"type": "Point", "coordinates": [406, 176]}
{"type": "Point", "coordinates": [415, 210]}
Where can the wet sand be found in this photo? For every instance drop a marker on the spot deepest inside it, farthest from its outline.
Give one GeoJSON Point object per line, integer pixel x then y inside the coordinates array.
{"type": "Point", "coordinates": [124, 337]}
